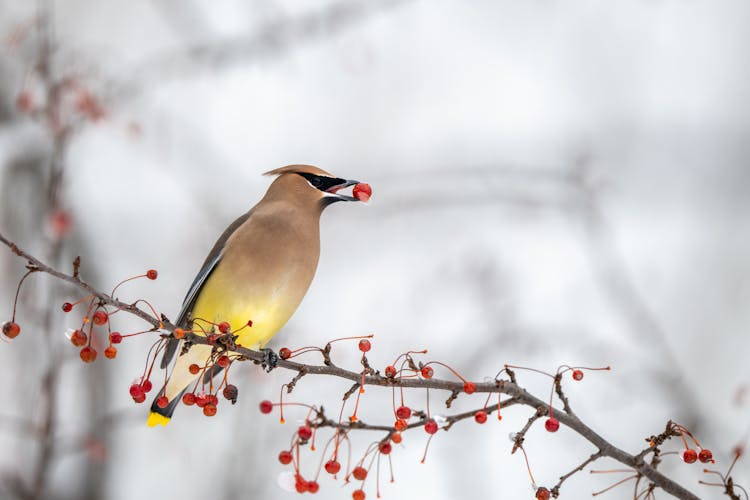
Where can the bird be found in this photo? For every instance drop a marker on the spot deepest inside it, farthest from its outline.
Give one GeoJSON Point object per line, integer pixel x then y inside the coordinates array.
{"type": "Point", "coordinates": [257, 273]}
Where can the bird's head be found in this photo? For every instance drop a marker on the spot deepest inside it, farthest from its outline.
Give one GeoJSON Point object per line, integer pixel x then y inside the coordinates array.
{"type": "Point", "coordinates": [309, 185]}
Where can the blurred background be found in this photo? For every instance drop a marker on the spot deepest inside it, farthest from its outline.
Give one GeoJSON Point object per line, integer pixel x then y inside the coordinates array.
{"type": "Point", "coordinates": [554, 182]}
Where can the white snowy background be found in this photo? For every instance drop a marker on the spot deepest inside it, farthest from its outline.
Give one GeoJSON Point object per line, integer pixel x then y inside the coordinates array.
{"type": "Point", "coordinates": [554, 182]}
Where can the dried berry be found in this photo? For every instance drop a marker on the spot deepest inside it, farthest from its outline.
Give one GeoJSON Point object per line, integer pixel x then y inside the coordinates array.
{"type": "Point", "coordinates": [285, 353]}
{"type": "Point", "coordinates": [230, 393]}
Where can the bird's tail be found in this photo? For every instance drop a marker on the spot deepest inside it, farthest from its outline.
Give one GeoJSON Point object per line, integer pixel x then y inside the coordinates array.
{"type": "Point", "coordinates": [162, 416]}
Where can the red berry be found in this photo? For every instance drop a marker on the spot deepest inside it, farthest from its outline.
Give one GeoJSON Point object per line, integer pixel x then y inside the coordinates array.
{"type": "Point", "coordinates": [11, 329]}
{"type": "Point", "coordinates": [470, 387]}
{"type": "Point", "coordinates": [359, 473]}
{"type": "Point", "coordinates": [223, 327]}
{"type": "Point", "coordinates": [364, 345]}
{"type": "Point", "coordinates": [230, 393]}
{"type": "Point", "coordinates": [305, 432]}
{"type": "Point", "coordinates": [480, 417]}
{"type": "Point", "coordinates": [403, 412]}
{"type": "Point", "coordinates": [136, 391]}
{"type": "Point", "coordinates": [266, 406]}
{"type": "Point", "coordinates": [285, 353]}
{"type": "Point", "coordinates": [147, 385]}
{"type": "Point", "coordinates": [427, 372]}
{"type": "Point", "coordinates": [162, 402]}
{"type": "Point", "coordinates": [78, 338]}
{"type": "Point", "coordinates": [400, 424]}
{"type": "Point", "coordinates": [396, 437]}
{"type": "Point", "coordinates": [25, 102]}
{"type": "Point", "coordinates": [390, 371]}
{"type": "Point", "coordinates": [313, 486]}
{"type": "Point", "coordinates": [285, 457]}
{"type": "Point", "coordinates": [552, 424]}
{"type": "Point", "coordinates": [358, 495]}
{"type": "Point", "coordinates": [201, 400]}
{"type": "Point", "coordinates": [178, 333]}
{"type": "Point", "coordinates": [542, 494]}
{"type": "Point", "coordinates": [577, 375]}
{"type": "Point", "coordinates": [362, 191]}
{"type": "Point", "coordinates": [300, 485]}
{"type": "Point", "coordinates": [100, 317]}
{"type": "Point", "coordinates": [705, 456]}
{"type": "Point", "coordinates": [209, 410]}
{"type": "Point", "coordinates": [140, 398]}
{"type": "Point", "coordinates": [110, 352]}
{"type": "Point", "coordinates": [213, 399]}
{"type": "Point", "coordinates": [212, 338]}
{"type": "Point", "coordinates": [60, 223]}
{"type": "Point", "coordinates": [115, 337]}
{"type": "Point", "coordinates": [385, 448]}
{"type": "Point", "coordinates": [332, 467]}
{"type": "Point", "coordinates": [152, 274]}
{"type": "Point", "coordinates": [431, 427]}
{"type": "Point", "coordinates": [223, 361]}
{"type": "Point", "coordinates": [67, 307]}
{"type": "Point", "coordinates": [249, 323]}
{"type": "Point", "coordinates": [188, 398]}
{"type": "Point", "coordinates": [194, 369]}
{"type": "Point", "coordinates": [690, 456]}
{"type": "Point", "coordinates": [88, 354]}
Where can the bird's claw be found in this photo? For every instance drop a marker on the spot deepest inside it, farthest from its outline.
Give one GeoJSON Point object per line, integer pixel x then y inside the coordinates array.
{"type": "Point", "coordinates": [270, 359]}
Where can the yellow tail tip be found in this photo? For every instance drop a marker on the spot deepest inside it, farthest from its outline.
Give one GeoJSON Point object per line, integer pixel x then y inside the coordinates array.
{"type": "Point", "coordinates": [155, 419]}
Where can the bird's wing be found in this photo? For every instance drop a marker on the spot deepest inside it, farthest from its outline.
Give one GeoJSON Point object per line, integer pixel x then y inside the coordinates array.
{"type": "Point", "coordinates": [213, 259]}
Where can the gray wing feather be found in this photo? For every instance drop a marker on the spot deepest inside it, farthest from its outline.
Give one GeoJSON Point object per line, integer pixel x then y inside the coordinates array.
{"type": "Point", "coordinates": [213, 259]}
{"type": "Point", "coordinates": [187, 305]}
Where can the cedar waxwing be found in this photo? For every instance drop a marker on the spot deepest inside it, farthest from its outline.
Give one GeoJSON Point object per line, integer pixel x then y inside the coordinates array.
{"type": "Point", "coordinates": [258, 270]}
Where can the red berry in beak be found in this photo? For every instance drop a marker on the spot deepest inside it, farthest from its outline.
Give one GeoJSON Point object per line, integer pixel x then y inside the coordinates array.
{"type": "Point", "coordinates": [362, 191]}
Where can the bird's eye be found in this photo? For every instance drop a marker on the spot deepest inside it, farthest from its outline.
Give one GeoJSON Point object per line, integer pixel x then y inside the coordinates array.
{"type": "Point", "coordinates": [316, 181]}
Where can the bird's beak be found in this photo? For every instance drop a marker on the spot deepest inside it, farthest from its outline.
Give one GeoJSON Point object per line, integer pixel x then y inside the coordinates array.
{"type": "Point", "coordinates": [333, 191]}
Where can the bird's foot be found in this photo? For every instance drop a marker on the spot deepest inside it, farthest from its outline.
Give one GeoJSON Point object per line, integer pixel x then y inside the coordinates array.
{"type": "Point", "coordinates": [270, 359]}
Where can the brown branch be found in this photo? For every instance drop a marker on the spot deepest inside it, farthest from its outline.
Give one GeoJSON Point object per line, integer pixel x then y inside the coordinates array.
{"type": "Point", "coordinates": [518, 394]}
